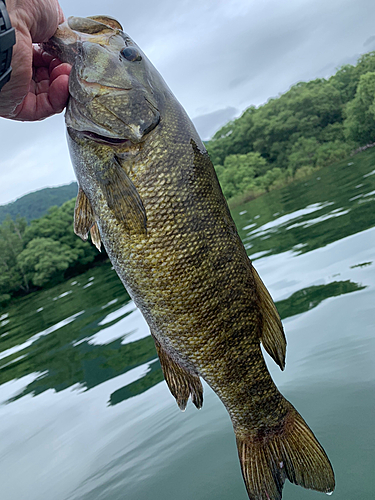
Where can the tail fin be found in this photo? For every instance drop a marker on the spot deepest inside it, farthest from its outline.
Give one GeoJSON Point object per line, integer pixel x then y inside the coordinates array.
{"type": "Point", "coordinates": [290, 452]}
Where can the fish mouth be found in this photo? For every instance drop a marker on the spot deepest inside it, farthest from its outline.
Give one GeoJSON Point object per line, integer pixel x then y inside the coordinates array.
{"type": "Point", "coordinates": [117, 141]}
{"type": "Point", "coordinates": [112, 141]}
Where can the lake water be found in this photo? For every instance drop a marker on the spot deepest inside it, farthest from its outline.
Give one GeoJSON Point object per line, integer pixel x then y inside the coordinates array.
{"type": "Point", "coordinates": [85, 413]}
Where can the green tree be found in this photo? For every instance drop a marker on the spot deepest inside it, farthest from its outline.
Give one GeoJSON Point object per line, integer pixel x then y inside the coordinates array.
{"type": "Point", "coordinates": [45, 259]}
{"type": "Point", "coordinates": [58, 225]}
{"type": "Point", "coordinates": [331, 152]}
{"type": "Point", "coordinates": [365, 64]}
{"type": "Point", "coordinates": [360, 112]}
{"type": "Point", "coordinates": [12, 242]}
{"type": "Point", "coordinates": [275, 176]}
{"type": "Point", "coordinates": [239, 171]}
{"type": "Point", "coordinates": [271, 130]}
{"type": "Point", "coordinates": [46, 250]}
{"type": "Point", "coordinates": [345, 80]}
{"type": "Point", "coordinates": [331, 133]}
{"type": "Point", "coordinates": [236, 137]}
{"type": "Point", "coordinates": [303, 154]}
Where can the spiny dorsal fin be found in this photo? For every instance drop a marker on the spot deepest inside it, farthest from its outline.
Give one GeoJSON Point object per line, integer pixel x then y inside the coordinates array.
{"type": "Point", "coordinates": [123, 198]}
{"type": "Point", "coordinates": [272, 337]}
{"type": "Point", "coordinates": [95, 236]}
{"type": "Point", "coordinates": [181, 383]}
{"type": "Point", "coordinates": [83, 215]}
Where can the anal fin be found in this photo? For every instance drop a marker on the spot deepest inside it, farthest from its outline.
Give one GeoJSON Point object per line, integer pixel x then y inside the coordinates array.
{"type": "Point", "coordinates": [181, 383]}
{"type": "Point", "coordinates": [272, 337]}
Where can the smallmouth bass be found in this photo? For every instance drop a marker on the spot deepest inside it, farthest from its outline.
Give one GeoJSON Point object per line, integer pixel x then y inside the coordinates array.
{"type": "Point", "coordinates": [149, 193]}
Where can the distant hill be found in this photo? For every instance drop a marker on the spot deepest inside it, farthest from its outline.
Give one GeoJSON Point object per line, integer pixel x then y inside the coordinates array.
{"type": "Point", "coordinates": [34, 205]}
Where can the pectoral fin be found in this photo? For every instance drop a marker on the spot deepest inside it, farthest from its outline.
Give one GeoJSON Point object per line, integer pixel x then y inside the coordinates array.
{"type": "Point", "coordinates": [123, 198]}
{"type": "Point", "coordinates": [181, 383]}
{"type": "Point", "coordinates": [273, 337]}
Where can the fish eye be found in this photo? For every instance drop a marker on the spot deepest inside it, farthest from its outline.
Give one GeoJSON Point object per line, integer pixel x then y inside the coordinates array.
{"type": "Point", "coordinates": [131, 54]}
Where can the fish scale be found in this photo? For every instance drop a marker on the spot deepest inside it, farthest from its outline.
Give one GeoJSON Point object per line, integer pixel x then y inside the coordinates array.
{"type": "Point", "coordinates": [148, 191]}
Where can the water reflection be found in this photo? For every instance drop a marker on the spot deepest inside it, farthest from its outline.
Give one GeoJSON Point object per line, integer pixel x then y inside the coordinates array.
{"type": "Point", "coordinates": [90, 347]}
{"type": "Point", "coordinates": [151, 375]}
{"type": "Point", "coordinates": [310, 297]}
{"type": "Point", "coordinates": [329, 197]}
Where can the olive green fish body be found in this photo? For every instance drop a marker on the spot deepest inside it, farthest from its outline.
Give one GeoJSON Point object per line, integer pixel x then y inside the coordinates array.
{"type": "Point", "coordinates": [190, 274]}
{"type": "Point", "coordinates": [149, 193]}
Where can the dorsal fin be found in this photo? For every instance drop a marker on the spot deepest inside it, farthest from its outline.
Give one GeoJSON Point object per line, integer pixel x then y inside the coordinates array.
{"type": "Point", "coordinates": [272, 336]}
{"type": "Point", "coordinates": [84, 217]}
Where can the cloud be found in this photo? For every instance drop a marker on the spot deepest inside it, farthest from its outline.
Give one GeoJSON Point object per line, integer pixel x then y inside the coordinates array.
{"type": "Point", "coordinates": [370, 42]}
{"type": "Point", "coordinates": [35, 156]}
{"type": "Point", "coordinates": [208, 124]}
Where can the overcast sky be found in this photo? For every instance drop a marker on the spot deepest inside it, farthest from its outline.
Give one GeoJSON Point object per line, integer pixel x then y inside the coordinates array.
{"type": "Point", "coordinates": [217, 56]}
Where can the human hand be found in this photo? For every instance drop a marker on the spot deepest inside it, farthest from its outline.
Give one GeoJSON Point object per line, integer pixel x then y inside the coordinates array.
{"type": "Point", "coordinates": [38, 86]}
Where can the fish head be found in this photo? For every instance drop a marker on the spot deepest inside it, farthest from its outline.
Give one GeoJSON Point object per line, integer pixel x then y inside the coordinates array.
{"type": "Point", "coordinates": [114, 90]}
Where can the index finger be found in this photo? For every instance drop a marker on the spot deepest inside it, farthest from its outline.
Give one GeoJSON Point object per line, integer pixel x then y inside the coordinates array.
{"type": "Point", "coordinates": [41, 58]}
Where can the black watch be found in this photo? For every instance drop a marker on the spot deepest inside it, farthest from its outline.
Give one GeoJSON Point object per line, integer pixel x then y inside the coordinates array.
{"type": "Point", "coordinates": [7, 40]}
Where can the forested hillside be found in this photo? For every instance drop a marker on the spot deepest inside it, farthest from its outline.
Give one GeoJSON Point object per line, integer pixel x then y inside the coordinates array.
{"type": "Point", "coordinates": [34, 205]}
{"type": "Point", "coordinates": [42, 253]}
{"type": "Point", "coordinates": [312, 125]}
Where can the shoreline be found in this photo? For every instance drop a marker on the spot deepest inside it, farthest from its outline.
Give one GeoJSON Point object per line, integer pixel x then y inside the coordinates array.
{"type": "Point", "coordinates": [303, 174]}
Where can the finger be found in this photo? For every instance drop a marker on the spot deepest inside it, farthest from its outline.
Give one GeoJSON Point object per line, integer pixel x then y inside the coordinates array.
{"type": "Point", "coordinates": [42, 87]}
{"type": "Point", "coordinates": [65, 67]}
{"type": "Point", "coordinates": [62, 17]}
{"type": "Point", "coordinates": [37, 107]}
{"type": "Point", "coordinates": [40, 57]}
{"type": "Point", "coordinates": [41, 74]}
{"type": "Point", "coordinates": [39, 104]}
{"type": "Point", "coordinates": [43, 106]}
{"type": "Point", "coordinates": [34, 107]}
{"type": "Point", "coordinates": [59, 93]}
{"type": "Point", "coordinates": [55, 62]}
{"type": "Point", "coordinates": [60, 69]}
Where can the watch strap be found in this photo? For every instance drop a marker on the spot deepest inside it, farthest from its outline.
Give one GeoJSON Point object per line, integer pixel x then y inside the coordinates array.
{"type": "Point", "coordinates": [7, 40]}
